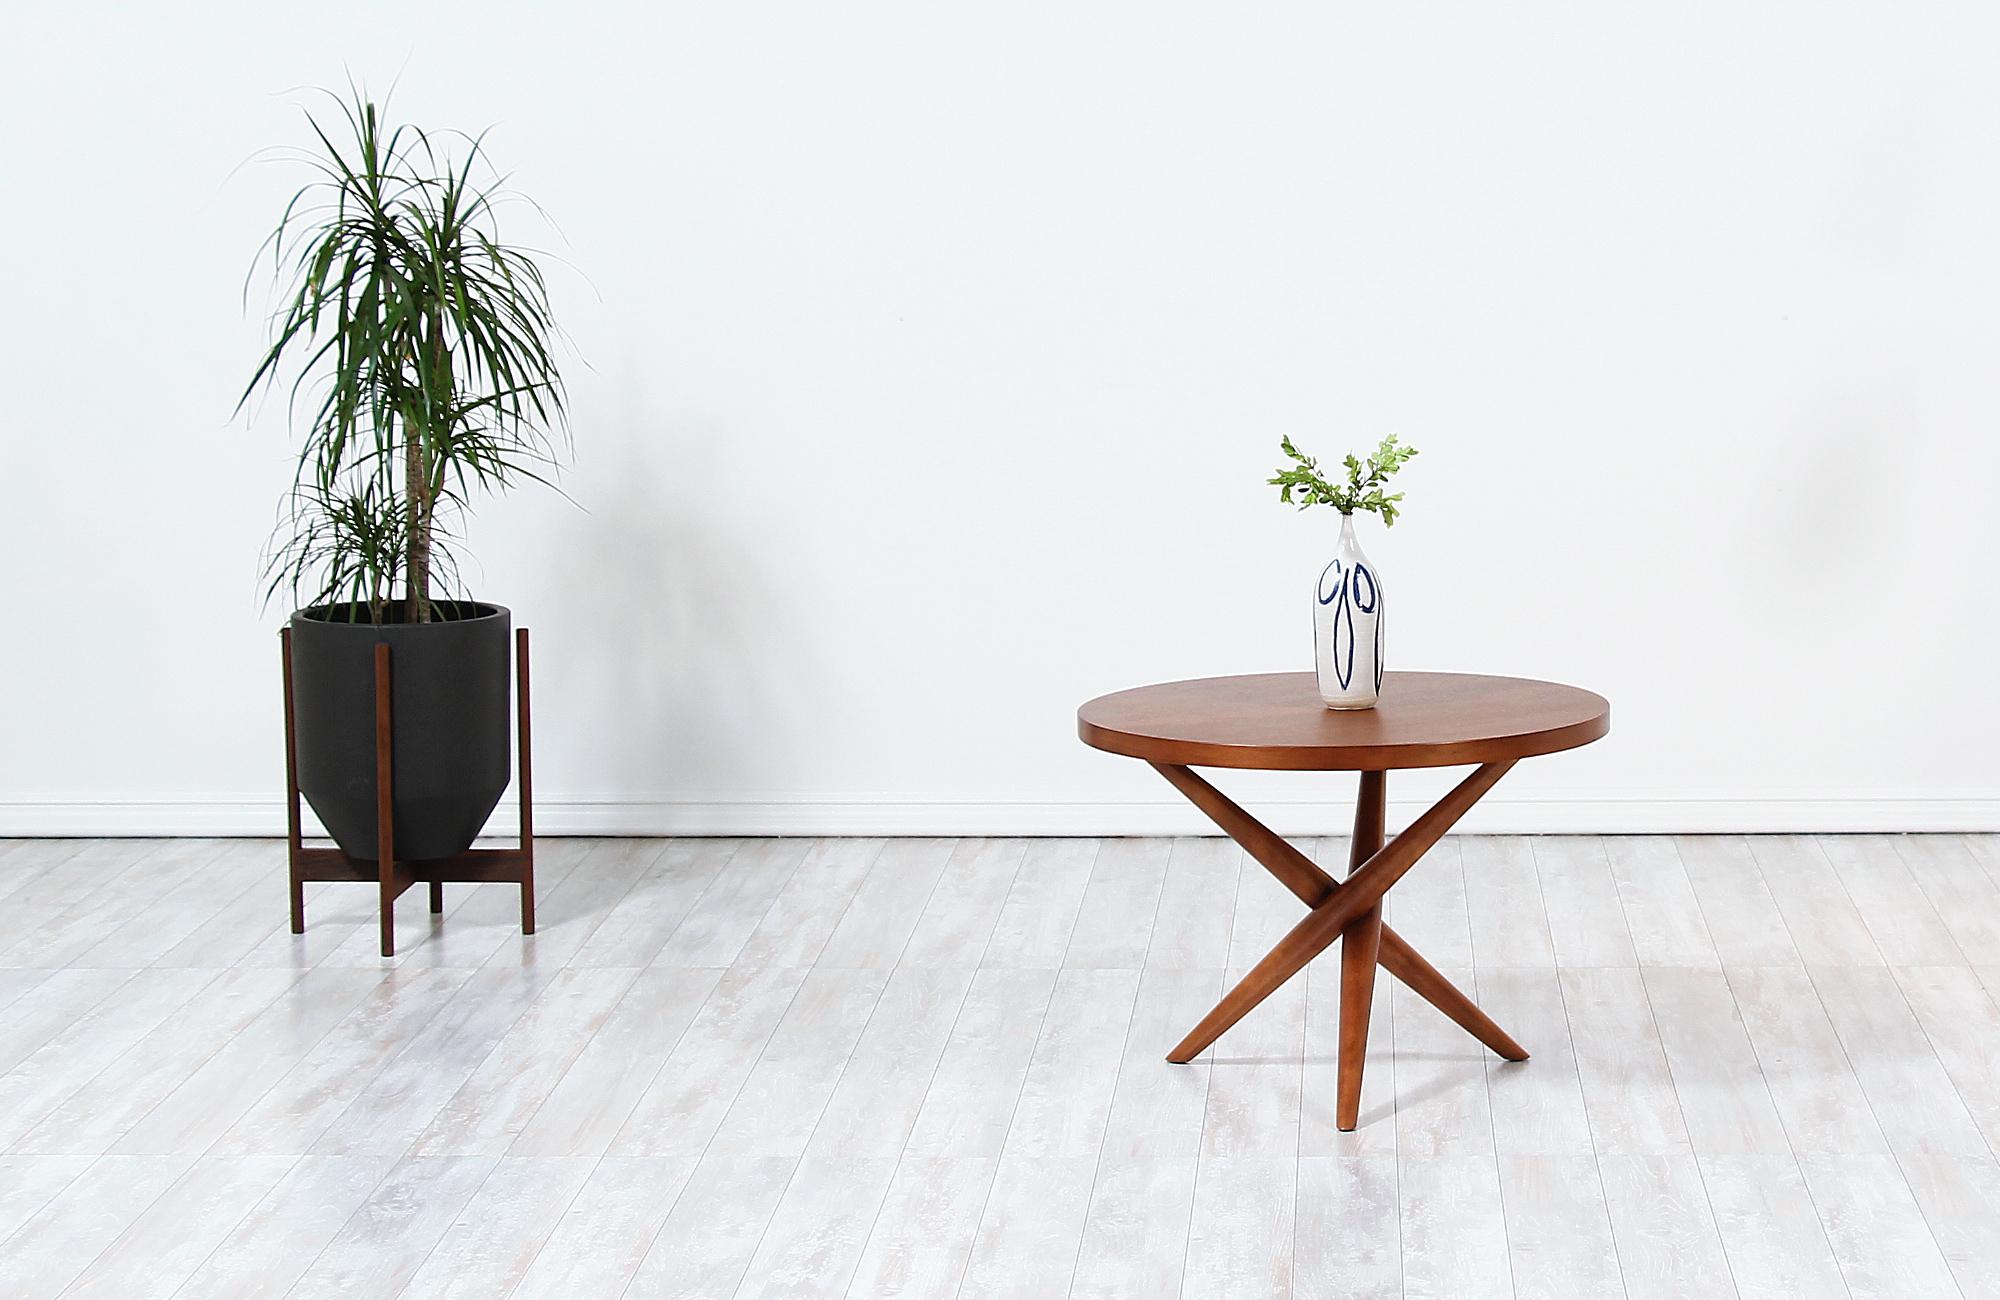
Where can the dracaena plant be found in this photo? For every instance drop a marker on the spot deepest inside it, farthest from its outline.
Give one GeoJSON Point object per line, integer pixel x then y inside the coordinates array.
{"type": "Point", "coordinates": [1302, 484]}
{"type": "Point", "coordinates": [421, 352]}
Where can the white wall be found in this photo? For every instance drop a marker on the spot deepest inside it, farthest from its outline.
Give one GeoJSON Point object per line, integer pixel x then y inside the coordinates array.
{"type": "Point", "coordinates": [938, 357]}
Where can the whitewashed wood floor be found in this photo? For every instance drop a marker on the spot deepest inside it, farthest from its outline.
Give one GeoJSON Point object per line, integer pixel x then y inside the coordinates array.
{"type": "Point", "coordinates": [1766, 1066]}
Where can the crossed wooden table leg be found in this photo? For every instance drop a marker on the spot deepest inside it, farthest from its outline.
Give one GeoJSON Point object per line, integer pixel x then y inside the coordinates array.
{"type": "Point", "coordinates": [1349, 910]}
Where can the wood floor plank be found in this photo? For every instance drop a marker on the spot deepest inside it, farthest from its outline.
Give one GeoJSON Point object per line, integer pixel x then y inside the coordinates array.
{"type": "Point", "coordinates": [1031, 1229]}
{"type": "Point", "coordinates": [90, 1044]}
{"type": "Point", "coordinates": [1904, 925]}
{"type": "Point", "coordinates": [1503, 903]}
{"type": "Point", "coordinates": [302, 1101]}
{"type": "Point", "coordinates": [1821, 918]}
{"type": "Point", "coordinates": [1441, 1104]}
{"type": "Point", "coordinates": [1135, 1234]}
{"type": "Point", "coordinates": [584, 1112]}
{"type": "Point", "coordinates": [779, 1105]}
{"type": "Point", "coordinates": [482, 924]}
{"type": "Point", "coordinates": [1962, 1021]}
{"type": "Point", "coordinates": [971, 1099]}
{"type": "Point", "coordinates": [48, 1252]}
{"type": "Point", "coordinates": [813, 1243]}
{"type": "Point", "coordinates": [1429, 907]}
{"type": "Point", "coordinates": [1247, 1207]}
{"type": "Point", "coordinates": [169, 1240]}
{"type": "Point", "coordinates": [1197, 903]}
{"type": "Point", "coordinates": [885, 911]}
{"type": "Point", "coordinates": [1812, 1083]}
{"type": "Point", "coordinates": [16, 982]}
{"type": "Point", "coordinates": [1965, 895]}
{"type": "Point", "coordinates": [335, 916]}
{"type": "Point", "coordinates": [1035, 923]}
{"type": "Point", "coordinates": [1114, 927]}
{"type": "Point", "coordinates": [273, 1245]}
{"type": "Point", "coordinates": [1986, 848]}
{"type": "Point", "coordinates": [1348, 1242]}
{"type": "Point", "coordinates": [959, 916]}
{"type": "Point", "coordinates": [808, 909]}
{"type": "Point", "coordinates": [1743, 920]}
{"type": "Point", "coordinates": [616, 1224]}
{"type": "Point", "coordinates": [672, 876]}
{"type": "Point", "coordinates": [715, 928]}
{"type": "Point", "coordinates": [204, 1104]}
{"type": "Point", "coordinates": [1910, 1093]}
{"type": "Point", "coordinates": [704, 1247]}
{"type": "Point", "coordinates": [1558, 1228]}
{"type": "Point", "coordinates": [27, 1183]}
{"type": "Point", "coordinates": [1454, 1229]}
{"type": "Point", "coordinates": [568, 912]}
{"type": "Point", "coordinates": [1628, 1089]}
{"type": "Point", "coordinates": [1265, 910]}
{"type": "Point", "coordinates": [391, 1110]}
{"type": "Point", "coordinates": [488, 1110]}
{"type": "Point", "coordinates": [489, 1248]}
{"type": "Point", "coordinates": [923, 1232]}
{"type": "Point", "coordinates": [1256, 1079]}
{"type": "Point", "coordinates": [95, 1116]}
{"type": "Point", "coordinates": [1157, 1109]}
{"type": "Point", "coordinates": [28, 861]}
{"type": "Point", "coordinates": [1668, 1245]}
{"type": "Point", "coordinates": [881, 1091]}
{"type": "Point", "coordinates": [62, 998]}
{"type": "Point", "coordinates": [1771, 1232]}
{"type": "Point", "coordinates": [1586, 920]}
{"type": "Point", "coordinates": [1537, 1104]}
{"type": "Point", "coordinates": [1877, 1230]}
{"type": "Point", "coordinates": [63, 931]}
{"type": "Point", "coordinates": [1960, 1199]}
{"type": "Point", "coordinates": [1724, 1100]}
{"type": "Point", "coordinates": [179, 909]}
{"type": "Point", "coordinates": [1660, 906]}
{"type": "Point", "coordinates": [1067, 1092]}
{"type": "Point", "coordinates": [41, 907]}
{"type": "Point", "coordinates": [681, 1109]}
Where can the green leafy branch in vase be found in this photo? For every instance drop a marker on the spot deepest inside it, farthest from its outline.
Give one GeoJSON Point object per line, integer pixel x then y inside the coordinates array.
{"type": "Point", "coordinates": [1302, 484]}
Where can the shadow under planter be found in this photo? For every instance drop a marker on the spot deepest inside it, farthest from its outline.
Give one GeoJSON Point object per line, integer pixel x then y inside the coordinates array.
{"type": "Point", "coordinates": [396, 734]}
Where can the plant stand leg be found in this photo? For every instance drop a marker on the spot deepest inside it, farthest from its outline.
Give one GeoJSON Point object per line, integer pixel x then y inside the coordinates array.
{"type": "Point", "coordinates": [294, 859]}
{"type": "Point", "coordinates": [526, 746]}
{"type": "Point", "coordinates": [385, 801]}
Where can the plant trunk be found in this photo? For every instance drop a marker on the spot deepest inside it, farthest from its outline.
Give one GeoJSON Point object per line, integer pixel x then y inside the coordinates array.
{"type": "Point", "coordinates": [415, 484]}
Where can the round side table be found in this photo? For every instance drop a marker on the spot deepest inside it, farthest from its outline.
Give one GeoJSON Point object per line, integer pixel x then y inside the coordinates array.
{"type": "Point", "coordinates": [1276, 721]}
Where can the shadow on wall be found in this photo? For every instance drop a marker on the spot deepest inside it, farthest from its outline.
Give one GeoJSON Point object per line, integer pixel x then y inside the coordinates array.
{"type": "Point", "coordinates": [676, 655]}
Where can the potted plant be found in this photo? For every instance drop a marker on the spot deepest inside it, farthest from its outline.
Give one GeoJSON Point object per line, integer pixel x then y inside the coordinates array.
{"type": "Point", "coordinates": [420, 351]}
{"type": "Point", "coordinates": [1347, 605]}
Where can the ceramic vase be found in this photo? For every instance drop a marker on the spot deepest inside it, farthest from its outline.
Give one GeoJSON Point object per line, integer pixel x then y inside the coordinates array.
{"type": "Point", "coordinates": [1347, 627]}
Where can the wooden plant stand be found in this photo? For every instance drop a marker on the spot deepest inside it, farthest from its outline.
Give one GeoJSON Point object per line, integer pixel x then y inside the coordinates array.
{"type": "Point", "coordinates": [472, 867]}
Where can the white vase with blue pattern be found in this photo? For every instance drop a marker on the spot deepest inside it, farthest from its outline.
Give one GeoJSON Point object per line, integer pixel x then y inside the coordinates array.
{"type": "Point", "coordinates": [1347, 627]}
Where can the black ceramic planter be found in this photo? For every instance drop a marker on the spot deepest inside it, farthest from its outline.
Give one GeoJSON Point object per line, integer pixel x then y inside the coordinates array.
{"type": "Point", "coordinates": [449, 703]}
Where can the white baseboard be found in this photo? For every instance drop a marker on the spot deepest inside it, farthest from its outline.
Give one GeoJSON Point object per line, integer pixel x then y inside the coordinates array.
{"type": "Point", "coordinates": [863, 816]}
